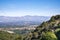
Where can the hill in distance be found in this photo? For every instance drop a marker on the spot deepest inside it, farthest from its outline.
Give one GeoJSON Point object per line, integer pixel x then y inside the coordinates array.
{"type": "Point", "coordinates": [23, 18]}
{"type": "Point", "coordinates": [22, 21]}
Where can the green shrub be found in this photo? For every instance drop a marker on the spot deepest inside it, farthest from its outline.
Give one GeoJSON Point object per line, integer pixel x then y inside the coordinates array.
{"type": "Point", "coordinates": [48, 36]}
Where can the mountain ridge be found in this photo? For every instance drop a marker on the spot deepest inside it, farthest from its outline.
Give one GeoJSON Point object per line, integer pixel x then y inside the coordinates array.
{"type": "Point", "coordinates": [24, 20]}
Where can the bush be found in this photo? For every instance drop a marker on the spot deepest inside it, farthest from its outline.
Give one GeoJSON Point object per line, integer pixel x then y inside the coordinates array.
{"type": "Point", "coordinates": [48, 36]}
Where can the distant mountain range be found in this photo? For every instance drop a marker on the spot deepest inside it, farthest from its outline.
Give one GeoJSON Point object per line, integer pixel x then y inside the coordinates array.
{"type": "Point", "coordinates": [24, 20]}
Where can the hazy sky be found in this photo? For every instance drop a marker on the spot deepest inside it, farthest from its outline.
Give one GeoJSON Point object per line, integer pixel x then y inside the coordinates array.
{"type": "Point", "coordinates": [29, 7]}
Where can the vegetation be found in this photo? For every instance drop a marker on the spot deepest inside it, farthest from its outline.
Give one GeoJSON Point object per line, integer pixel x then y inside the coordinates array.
{"type": "Point", "coordinates": [48, 36]}
{"type": "Point", "coordinates": [49, 30]}
{"type": "Point", "coordinates": [9, 36]}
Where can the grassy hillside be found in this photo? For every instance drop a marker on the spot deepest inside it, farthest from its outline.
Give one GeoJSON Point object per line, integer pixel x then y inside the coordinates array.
{"type": "Point", "coordinates": [8, 36]}
{"type": "Point", "coordinates": [49, 30]}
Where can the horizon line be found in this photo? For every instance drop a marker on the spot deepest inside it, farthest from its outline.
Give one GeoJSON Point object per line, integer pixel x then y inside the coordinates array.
{"type": "Point", "coordinates": [24, 15]}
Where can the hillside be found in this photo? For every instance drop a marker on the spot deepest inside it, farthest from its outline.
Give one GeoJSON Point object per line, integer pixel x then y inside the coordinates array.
{"type": "Point", "coordinates": [49, 30]}
{"type": "Point", "coordinates": [7, 36]}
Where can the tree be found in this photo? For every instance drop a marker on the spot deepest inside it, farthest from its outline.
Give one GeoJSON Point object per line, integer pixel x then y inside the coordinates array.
{"type": "Point", "coordinates": [58, 34]}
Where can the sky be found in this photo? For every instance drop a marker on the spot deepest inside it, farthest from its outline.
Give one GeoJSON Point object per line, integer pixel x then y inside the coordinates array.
{"type": "Point", "coordinates": [29, 7]}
